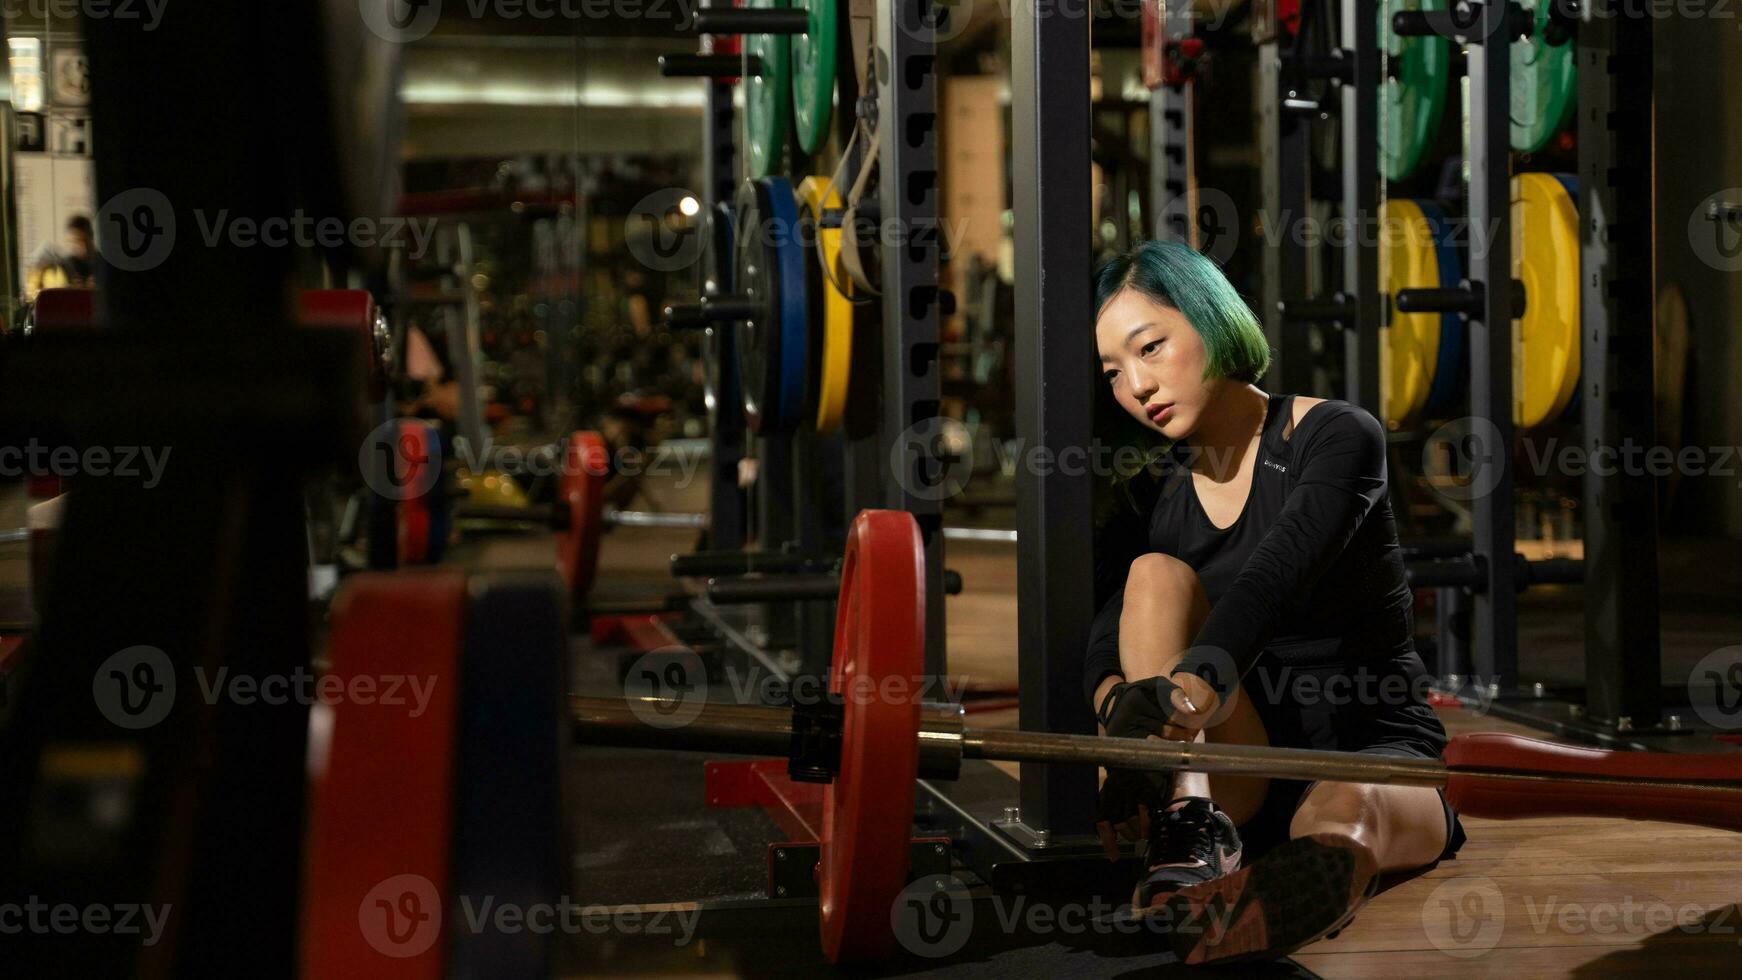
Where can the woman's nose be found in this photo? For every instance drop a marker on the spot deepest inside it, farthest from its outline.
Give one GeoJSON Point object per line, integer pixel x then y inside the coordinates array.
{"type": "Point", "coordinates": [1142, 384]}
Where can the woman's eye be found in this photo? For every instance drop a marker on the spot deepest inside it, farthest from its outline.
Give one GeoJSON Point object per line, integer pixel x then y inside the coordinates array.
{"type": "Point", "coordinates": [1150, 347]}
{"type": "Point", "coordinates": [1110, 376]}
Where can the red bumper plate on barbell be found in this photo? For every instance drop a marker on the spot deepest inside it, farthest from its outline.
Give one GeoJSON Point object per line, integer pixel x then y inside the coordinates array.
{"type": "Point", "coordinates": [586, 466]}
{"type": "Point", "coordinates": [868, 809]}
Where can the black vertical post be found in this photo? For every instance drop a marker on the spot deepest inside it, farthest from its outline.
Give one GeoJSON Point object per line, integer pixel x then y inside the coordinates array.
{"type": "Point", "coordinates": [1616, 197]}
{"type": "Point", "coordinates": [912, 248]}
{"type": "Point", "coordinates": [726, 501]}
{"type": "Point", "coordinates": [1171, 186]}
{"type": "Point", "coordinates": [1494, 654]}
{"type": "Point", "coordinates": [1284, 155]}
{"type": "Point", "coordinates": [1360, 126]}
{"type": "Point", "coordinates": [1049, 82]}
{"type": "Point", "coordinates": [1172, 182]}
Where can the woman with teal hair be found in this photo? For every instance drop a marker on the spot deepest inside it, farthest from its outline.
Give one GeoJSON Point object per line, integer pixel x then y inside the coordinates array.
{"type": "Point", "coordinates": [1267, 605]}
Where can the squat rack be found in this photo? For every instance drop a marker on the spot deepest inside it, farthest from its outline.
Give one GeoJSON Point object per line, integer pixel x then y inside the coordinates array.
{"type": "Point", "coordinates": [1613, 51]}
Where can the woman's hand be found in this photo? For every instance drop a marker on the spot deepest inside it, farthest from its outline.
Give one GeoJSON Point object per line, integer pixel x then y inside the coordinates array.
{"type": "Point", "coordinates": [1176, 708]}
{"type": "Point", "coordinates": [1122, 808]}
{"type": "Point", "coordinates": [1195, 703]}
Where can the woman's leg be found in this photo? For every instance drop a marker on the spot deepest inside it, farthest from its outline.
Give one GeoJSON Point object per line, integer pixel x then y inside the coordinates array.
{"type": "Point", "coordinates": [1165, 605]}
{"type": "Point", "coordinates": [1401, 827]}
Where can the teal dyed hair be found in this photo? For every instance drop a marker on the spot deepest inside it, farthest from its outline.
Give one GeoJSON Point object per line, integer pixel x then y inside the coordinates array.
{"type": "Point", "coordinates": [1176, 276]}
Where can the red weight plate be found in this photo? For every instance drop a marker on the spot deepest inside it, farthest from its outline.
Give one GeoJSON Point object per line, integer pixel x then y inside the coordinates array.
{"type": "Point", "coordinates": [353, 308]}
{"type": "Point", "coordinates": [878, 671]}
{"type": "Point", "coordinates": [1288, 16]}
{"type": "Point", "coordinates": [345, 309]}
{"type": "Point", "coordinates": [415, 455]}
{"type": "Point", "coordinates": [381, 772]}
{"type": "Point", "coordinates": [65, 309]}
{"type": "Point", "coordinates": [586, 465]}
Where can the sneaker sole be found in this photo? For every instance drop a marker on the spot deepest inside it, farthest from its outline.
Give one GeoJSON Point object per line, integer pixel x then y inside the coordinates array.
{"type": "Point", "coordinates": [1293, 896]}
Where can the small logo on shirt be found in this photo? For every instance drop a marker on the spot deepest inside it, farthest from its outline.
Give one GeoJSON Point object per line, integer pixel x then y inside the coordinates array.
{"type": "Point", "coordinates": [1278, 467]}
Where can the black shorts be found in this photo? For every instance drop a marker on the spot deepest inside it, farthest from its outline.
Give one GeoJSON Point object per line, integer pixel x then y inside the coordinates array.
{"type": "Point", "coordinates": [1311, 696]}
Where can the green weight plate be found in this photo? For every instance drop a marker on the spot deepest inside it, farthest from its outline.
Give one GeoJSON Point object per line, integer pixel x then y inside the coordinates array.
{"type": "Point", "coordinates": [767, 96]}
{"type": "Point", "coordinates": [1415, 99]}
{"type": "Point", "coordinates": [813, 73]}
{"type": "Point", "coordinates": [1543, 81]}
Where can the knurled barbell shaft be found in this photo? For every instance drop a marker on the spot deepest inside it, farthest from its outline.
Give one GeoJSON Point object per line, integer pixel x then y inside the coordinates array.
{"type": "Point", "coordinates": [756, 730]}
{"type": "Point", "coordinates": [765, 730]}
{"type": "Point", "coordinates": [1250, 760]}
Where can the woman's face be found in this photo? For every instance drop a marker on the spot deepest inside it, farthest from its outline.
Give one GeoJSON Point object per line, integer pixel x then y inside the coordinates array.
{"type": "Point", "coordinates": [1155, 362]}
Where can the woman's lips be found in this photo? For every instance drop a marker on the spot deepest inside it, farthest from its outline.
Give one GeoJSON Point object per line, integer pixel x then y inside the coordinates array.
{"type": "Point", "coordinates": [1160, 413]}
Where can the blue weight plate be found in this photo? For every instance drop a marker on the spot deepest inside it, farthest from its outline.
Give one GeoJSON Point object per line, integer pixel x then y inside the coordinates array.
{"type": "Point", "coordinates": [508, 752]}
{"type": "Point", "coordinates": [1449, 366]}
{"type": "Point", "coordinates": [794, 317]}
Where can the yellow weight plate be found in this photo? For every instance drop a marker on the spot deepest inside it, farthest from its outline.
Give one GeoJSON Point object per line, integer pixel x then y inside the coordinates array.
{"type": "Point", "coordinates": [1407, 259]}
{"type": "Point", "coordinates": [835, 361]}
{"type": "Point", "coordinates": [1545, 258]}
{"type": "Point", "coordinates": [491, 488]}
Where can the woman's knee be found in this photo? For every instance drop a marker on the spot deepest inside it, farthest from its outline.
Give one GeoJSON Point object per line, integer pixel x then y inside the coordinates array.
{"type": "Point", "coordinates": [1336, 807]}
{"type": "Point", "coordinates": [1404, 825]}
{"type": "Point", "coordinates": [1162, 577]}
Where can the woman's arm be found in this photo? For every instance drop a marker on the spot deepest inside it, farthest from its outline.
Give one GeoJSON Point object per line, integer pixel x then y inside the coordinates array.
{"type": "Point", "coordinates": [1341, 479]}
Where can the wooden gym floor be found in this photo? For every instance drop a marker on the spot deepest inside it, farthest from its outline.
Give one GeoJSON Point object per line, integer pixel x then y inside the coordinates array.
{"type": "Point", "coordinates": [1540, 898]}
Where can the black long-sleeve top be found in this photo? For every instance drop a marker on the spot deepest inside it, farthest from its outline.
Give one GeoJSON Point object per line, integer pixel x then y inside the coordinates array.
{"type": "Point", "coordinates": [1312, 557]}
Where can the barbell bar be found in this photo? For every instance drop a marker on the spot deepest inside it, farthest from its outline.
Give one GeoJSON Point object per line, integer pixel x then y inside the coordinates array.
{"type": "Point", "coordinates": [871, 750]}
{"type": "Point", "coordinates": [944, 742]}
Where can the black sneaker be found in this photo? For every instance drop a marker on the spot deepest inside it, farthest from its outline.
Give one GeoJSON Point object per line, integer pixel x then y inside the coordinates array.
{"type": "Point", "coordinates": [1191, 842]}
{"type": "Point", "coordinates": [1305, 890]}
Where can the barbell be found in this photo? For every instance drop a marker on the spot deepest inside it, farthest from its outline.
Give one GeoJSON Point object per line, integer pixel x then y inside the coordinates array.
{"type": "Point", "coordinates": [871, 743]}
